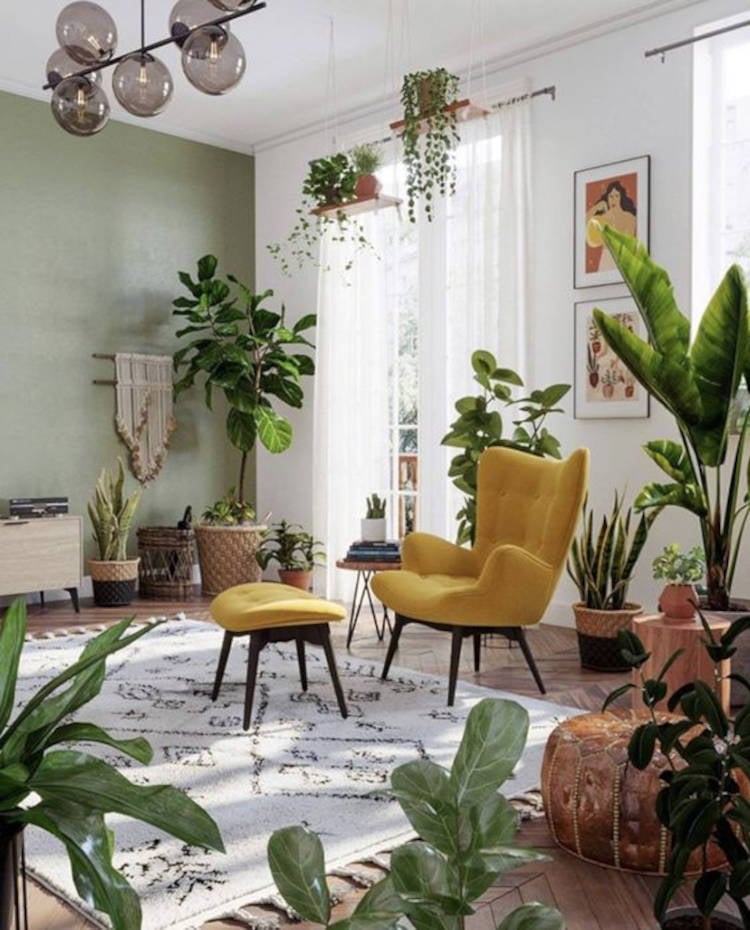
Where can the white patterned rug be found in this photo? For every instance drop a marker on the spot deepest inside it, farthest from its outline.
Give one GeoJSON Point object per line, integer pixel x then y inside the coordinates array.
{"type": "Point", "coordinates": [298, 763]}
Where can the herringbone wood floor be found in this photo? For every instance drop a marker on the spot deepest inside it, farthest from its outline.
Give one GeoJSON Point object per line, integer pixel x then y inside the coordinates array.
{"type": "Point", "coordinates": [590, 897]}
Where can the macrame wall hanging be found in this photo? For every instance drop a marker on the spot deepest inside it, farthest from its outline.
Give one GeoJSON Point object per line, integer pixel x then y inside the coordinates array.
{"type": "Point", "coordinates": [143, 416]}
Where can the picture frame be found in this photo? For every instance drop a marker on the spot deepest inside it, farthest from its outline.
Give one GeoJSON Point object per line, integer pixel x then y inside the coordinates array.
{"type": "Point", "coordinates": [619, 194]}
{"type": "Point", "coordinates": [603, 386]}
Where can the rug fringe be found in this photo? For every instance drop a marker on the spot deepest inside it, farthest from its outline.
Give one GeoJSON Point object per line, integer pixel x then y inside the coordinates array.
{"type": "Point", "coordinates": [60, 632]}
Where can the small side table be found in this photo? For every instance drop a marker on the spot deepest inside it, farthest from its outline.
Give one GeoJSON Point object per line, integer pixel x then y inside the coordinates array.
{"type": "Point", "coordinates": [365, 570]}
{"type": "Point", "coordinates": [663, 637]}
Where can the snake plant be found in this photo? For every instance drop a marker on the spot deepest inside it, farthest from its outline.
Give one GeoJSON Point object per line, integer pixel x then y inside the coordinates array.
{"type": "Point", "coordinates": [111, 514]}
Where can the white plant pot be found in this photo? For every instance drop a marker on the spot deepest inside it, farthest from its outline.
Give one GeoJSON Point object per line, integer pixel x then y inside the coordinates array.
{"type": "Point", "coordinates": [373, 530]}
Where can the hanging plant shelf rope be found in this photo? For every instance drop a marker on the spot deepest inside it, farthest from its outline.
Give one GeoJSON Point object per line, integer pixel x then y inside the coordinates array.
{"type": "Point", "coordinates": [465, 110]}
{"type": "Point", "coordinates": [358, 205]}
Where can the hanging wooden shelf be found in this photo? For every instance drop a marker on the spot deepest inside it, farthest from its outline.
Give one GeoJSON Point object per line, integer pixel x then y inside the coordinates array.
{"type": "Point", "coordinates": [464, 110]}
{"type": "Point", "coordinates": [358, 205]}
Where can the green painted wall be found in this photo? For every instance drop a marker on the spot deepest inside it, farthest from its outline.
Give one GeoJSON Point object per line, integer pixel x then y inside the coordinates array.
{"type": "Point", "coordinates": [93, 233]}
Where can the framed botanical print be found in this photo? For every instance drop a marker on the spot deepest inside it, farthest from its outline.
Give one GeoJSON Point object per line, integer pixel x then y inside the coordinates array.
{"type": "Point", "coordinates": [616, 195]}
{"type": "Point", "coordinates": [604, 387]}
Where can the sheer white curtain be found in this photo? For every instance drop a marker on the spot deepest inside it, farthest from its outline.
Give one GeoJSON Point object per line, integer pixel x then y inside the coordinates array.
{"type": "Point", "coordinates": [350, 429]}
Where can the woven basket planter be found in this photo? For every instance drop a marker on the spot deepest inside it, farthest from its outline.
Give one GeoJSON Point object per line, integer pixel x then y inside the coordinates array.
{"type": "Point", "coordinates": [113, 582]}
{"type": "Point", "coordinates": [597, 636]}
{"type": "Point", "coordinates": [166, 568]}
{"type": "Point", "coordinates": [227, 556]}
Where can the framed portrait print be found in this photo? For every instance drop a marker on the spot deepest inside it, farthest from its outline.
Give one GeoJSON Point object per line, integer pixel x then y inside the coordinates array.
{"type": "Point", "coordinates": [604, 387]}
{"type": "Point", "coordinates": [617, 195]}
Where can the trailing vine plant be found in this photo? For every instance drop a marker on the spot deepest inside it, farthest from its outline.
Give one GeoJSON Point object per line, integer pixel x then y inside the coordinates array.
{"type": "Point", "coordinates": [429, 137]}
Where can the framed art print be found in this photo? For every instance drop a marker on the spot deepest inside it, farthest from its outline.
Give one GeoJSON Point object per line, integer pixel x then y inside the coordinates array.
{"type": "Point", "coordinates": [617, 195]}
{"type": "Point", "coordinates": [604, 387]}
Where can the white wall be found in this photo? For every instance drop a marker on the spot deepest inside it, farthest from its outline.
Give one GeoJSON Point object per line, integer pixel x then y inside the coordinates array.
{"type": "Point", "coordinates": [612, 104]}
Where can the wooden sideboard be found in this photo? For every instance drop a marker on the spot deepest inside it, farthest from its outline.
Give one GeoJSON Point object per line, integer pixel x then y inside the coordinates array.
{"type": "Point", "coordinates": [41, 555]}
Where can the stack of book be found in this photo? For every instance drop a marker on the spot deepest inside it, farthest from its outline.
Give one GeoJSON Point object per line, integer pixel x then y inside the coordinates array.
{"type": "Point", "coordinates": [386, 551]}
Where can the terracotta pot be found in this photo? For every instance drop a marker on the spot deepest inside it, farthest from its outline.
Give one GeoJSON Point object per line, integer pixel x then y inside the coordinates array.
{"type": "Point", "coordinates": [689, 918]}
{"type": "Point", "coordinates": [297, 578]}
{"type": "Point", "coordinates": [675, 604]}
{"type": "Point", "coordinates": [367, 186]}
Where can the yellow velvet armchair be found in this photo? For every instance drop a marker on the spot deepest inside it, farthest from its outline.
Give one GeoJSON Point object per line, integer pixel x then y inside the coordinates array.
{"type": "Point", "coordinates": [527, 511]}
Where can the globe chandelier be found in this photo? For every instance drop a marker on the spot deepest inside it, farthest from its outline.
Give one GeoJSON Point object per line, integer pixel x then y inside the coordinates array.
{"type": "Point", "coordinates": [213, 60]}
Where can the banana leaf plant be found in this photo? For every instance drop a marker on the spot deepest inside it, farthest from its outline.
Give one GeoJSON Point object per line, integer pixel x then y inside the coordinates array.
{"type": "Point", "coordinates": [465, 839]}
{"type": "Point", "coordinates": [698, 385]}
{"type": "Point", "coordinates": [47, 782]}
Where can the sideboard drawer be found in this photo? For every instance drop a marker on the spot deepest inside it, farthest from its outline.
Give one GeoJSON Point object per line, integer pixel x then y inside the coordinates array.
{"type": "Point", "coordinates": [41, 554]}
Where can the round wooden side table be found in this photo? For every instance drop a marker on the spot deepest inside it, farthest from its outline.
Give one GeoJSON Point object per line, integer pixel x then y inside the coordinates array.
{"type": "Point", "coordinates": [365, 570]}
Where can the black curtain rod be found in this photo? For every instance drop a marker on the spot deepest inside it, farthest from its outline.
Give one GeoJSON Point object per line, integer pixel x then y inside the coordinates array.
{"type": "Point", "coordinates": [663, 49]}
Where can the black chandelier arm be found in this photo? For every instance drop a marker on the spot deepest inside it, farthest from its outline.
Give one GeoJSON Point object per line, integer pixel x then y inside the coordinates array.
{"type": "Point", "coordinates": [145, 49]}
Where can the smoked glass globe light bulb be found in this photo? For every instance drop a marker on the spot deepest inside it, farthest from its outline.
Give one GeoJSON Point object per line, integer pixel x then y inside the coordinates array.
{"type": "Point", "coordinates": [142, 84]}
{"type": "Point", "coordinates": [232, 6]}
{"type": "Point", "coordinates": [60, 65]}
{"type": "Point", "coordinates": [80, 107]}
{"type": "Point", "coordinates": [87, 32]}
{"type": "Point", "coordinates": [213, 60]}
{"type": "Point", "coordinates": [187, 14]}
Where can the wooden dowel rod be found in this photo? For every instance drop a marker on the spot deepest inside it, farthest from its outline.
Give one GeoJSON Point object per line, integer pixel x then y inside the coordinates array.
{"type": "Point", "coordinates": [109, 383]}
{"type": "Point", "coordinates": [110, 358]}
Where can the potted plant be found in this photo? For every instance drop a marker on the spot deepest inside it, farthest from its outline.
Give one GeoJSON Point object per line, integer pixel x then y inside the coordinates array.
{"type": "Point", "coordinates": [329, 185]}
{"type": "Point", "coordinates": [465, 833]}
{"type": "Point", "coordinates": [113, 574]}
{"type": "Point", "coordinates": [601, 565]}
{"type": "Point", "coordinates": [366, 159]}
{"type": "Point", "coordinates": [698, 384]}
{"type": "Point", "coordinates": [703, 802]}
{"type": "Point", "coordinates": [679, 570]}
{"type": "Point", "coordinates": [245, 350]}
{"type": "Point", "coordinates": [429, 137]}
{"type": "Point", "coordinates": [479, 425]}
{"type": "Point", "coordinates": [48, 781]}
{"type": "Point", "coordinates": [373, 527]}
{"type": "Point", "coordinates": [295, 551]}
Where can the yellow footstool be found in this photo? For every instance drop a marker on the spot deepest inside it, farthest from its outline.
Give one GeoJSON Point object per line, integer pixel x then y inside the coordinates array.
{"type": "Point", "coordinates": [275, 613]}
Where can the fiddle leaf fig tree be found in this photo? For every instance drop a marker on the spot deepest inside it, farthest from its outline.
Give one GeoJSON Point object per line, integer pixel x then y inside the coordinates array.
{"type": "Point", "coordinates": [480, 425]}
{"type": "Point", "coordinates": [245, 350]}
{"type": "Point", "coordinates": [698, 385]}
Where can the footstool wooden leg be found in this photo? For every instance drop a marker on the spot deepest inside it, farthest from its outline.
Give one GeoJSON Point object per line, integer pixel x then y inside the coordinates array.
{"type": "Point", "coordinates": [477, 651]}
{"type": "Point", "coordinates": [256, 644]}
{"type": "Point", "coordinates": [226, 645]}
{"type": "Point", "coordinates": [331, 659]}
{"type": "Point", "coordinates": [302, 662]}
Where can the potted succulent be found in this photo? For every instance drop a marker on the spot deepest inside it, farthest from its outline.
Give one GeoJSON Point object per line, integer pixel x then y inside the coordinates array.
{"type": "Point", "coordinates": [373, 525]}
{"type": "Point", "coordinates": [245, 350]}
{"type": "Point", "coordinates": [295, 551]}
{"type": "Point", "coordinates": [366, 159]}
{"type": "Point", "coordinates": [479, 426]}
{"type": "Point", "coordinates": [698, 384]}
{"type": "Point", "coordinates": [48, 780]}
{"type": "Point", "coordinates": [429, 137]}
{"type": "Point", "coordinates": [703, 803]}
{"type": "Point", "coordinates": [465, 833]}
{"type": "Point", "coordinates": [679, 570]}
{"type": "Point", "coordinates": [113, 574]}
{"type": "Point", "coordinates": [601, 565]}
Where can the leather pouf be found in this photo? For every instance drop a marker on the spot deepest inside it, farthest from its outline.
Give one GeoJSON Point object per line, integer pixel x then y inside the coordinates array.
{"type": "Point", "coordinates": [600, 807]}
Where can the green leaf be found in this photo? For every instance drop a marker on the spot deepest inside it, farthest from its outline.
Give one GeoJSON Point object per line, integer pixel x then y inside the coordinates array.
{"type": "Point", "coordinates": [423, 877]}
{"type": "Point", "coordinates": [382, 898]}
{"type": "Point", "coordinates": [533, 917]}
{"type": "Point", "coordinates": [711, 709]}
{"type": "Point", "coordinates": [617, 693]}
{"type": "Point", "coordinates": [492, 743]}
{"type": "Point", "coordinates": [138, 748]}
{"type": "Point", "coordinates": [688, 496]}
{"type": "Point", "coordinates": [297, 863]}
{"type": "Point", "coordinates": [642, 745]}
{"type": "Point", "coordinates": [553, 394]}
{"type": "Point", "coordinates": [305, 322]}
{"type": "Point", "coordinates": [12, 633]}
{"type": "Point", "coordinates": [424, 791]}
{"type": "Point", "coordinates": [709, 890]}
{"type": "Point", "coordinates": [672, 458]}
{"type": "Point", "coordinates": [274, 431]}
{"type": "Point", "coordinates": [739, 880]}
{"type": "Point", "coordinates": [507, 376]}
{"type": "Point", "coordinates": [207, 267]}
{"type": "Point", "coordinates": [241, 429]}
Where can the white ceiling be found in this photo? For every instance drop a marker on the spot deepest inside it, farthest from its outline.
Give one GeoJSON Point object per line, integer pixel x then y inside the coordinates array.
{"type": "Point", "coordinates": [287, 47]}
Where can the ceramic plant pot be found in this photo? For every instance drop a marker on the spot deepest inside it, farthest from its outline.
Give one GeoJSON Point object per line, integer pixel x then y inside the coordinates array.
{"type": "Point", "coordinates": [297, 578]}
{"type": "Point", "coordinates": [367, 186]}
{"type": "Point", "coordinates": [373, 530]}
{"type": "Point", "coordinates": [675, 600]}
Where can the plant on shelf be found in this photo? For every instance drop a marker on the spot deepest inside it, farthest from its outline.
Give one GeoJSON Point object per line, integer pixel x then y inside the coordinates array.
{"type": "Point", "coordinates": [113, 574]}
{"type": "Point", "coordinates": [429, 137]}
{"type": "Point", "coordinates": [465, 829]}
{"type": "Point", "coordinates": [366, 159]}
{"type": "Point", "coordinates": [248, 352]}
{"type": "Point", "coordinates": [330, 183]}
{"type": "Point", "coordinates": [680, 571]}
{"type": "Point", "coordinates": [479, 425]}
{"type": "Point", "coordinates": [48, 781]}
{"type": "Point", "coordinates": [698, 384]}
{"type": "Point", "coordinates": [703, 802]}
{"type": "Point", "coordinates": [295, 550]}
{"type": "Point", "coordinates": [373, 527]}
{"type": "Point", "coordinates": [601, 565]}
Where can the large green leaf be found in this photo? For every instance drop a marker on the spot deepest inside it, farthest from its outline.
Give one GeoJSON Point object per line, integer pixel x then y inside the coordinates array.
{"type": "Point", "coordinates": [493, 740]}
{"type": "Point", "coordinates": [137, 748]}
{"type": "Point", "coordinates": [70, 777]}
{"type": "Point", "coordinates": [533, 917]}
{"type": "Point", "coordinates": [688, 496]}
{"type": "Point", "coordinates": [274, 431]}
{"type": "Point", "coordinates": [425, 793]}
{"type": "Point", "coordinates": [241, 429]}
{"type": "Point", "coordinates": [297, 863]}
{"type": "Point", "coordinates": [672, 458]}
{"type": "Point", "coordinates": [12, 633]}
{"type": "Point", "coordinates": [425, 879]}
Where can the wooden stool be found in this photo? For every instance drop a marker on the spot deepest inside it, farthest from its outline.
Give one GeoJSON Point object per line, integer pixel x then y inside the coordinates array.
{"type": "Point", "coordinates": [275, 613]}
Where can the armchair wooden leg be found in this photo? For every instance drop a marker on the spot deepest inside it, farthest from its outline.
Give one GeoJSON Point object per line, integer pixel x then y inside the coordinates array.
{"type": "Point", "coordinates": [301, 661]}
{"type": "Point", "coordinates": [477, 650]}
{"type": "Point", "coordinates": [457, 639]}
{"type": "Point", "coordinates": [256, 644]}
{"type": "Point", "coordinates": [521, 639]}
{"type": "Point", "coordinates": [392, 645]}
{"type": "Point", "coordinates": [226, 645]}
{"type": "Point", "coordinates": [328, 650]}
